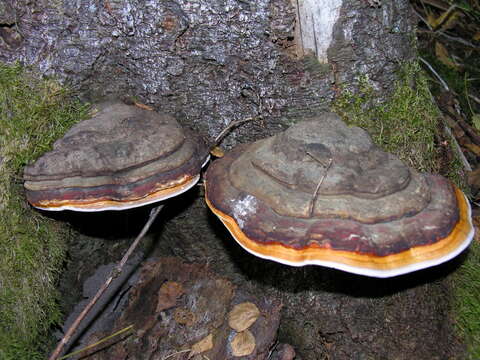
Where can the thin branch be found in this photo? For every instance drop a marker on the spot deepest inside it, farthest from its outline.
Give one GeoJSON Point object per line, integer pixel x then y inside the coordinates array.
{"type": "Point", "coordinates": [476, 99]}
{"type": "Point", "coordinates": [424, 20]}
{"type": "Point", "coordinates": [459, 40]}
{"type": "Point", "coordinates": [456, 146]}
{"type": "Point", "coordinates": [430, 67]}
{"type": "Point", "coordinates": [176, 353]}
{"type": "Point", "coordinates": [459, 151]}
{"type": "Point", "coordinates": [101, 341]}
{"type": "Point", "coordinates": [230, 126]}
{"type": "Point", "coordinates": [114, 273]}
{"type": "Point", "coordinates": [317, 189]}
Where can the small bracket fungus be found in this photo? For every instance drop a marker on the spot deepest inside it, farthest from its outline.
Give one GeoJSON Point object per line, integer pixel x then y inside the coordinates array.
{"type": "Point", "coordinates": [123, 157]}
{"type": "Point", "coordinates": [322, 193]}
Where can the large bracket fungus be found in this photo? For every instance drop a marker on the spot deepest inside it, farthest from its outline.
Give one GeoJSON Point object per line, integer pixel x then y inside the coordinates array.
{"type": "Point", "coordinates": [123, 157]}
{"type": "Point", "coordinates": [322, 193]}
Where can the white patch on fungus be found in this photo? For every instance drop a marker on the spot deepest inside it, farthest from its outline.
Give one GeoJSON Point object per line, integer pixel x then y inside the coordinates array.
{"type": "Point", "coordinates": [243, 209]}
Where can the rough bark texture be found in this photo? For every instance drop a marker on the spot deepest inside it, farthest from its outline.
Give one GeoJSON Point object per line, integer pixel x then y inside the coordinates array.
{"type": "Point", "coordinates": [208, 62]}
{"type": "Point", "coordinates": [370, 42]}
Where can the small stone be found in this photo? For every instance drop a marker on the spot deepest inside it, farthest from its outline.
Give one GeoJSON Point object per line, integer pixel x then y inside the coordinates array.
{"type": "Point", "coordinates": [243, 343]}
{"type": "Point", "coordinates": [243, 316]}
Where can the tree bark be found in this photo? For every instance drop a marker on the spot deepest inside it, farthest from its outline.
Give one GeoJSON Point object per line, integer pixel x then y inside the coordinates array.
{"type": "Point", "coordinates": [212, 62]}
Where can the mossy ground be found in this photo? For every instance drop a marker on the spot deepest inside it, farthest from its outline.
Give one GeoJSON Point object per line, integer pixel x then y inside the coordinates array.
{"type": "Point", "coordinates": [407, 124]}
{"type": "Point", "coordinates": [33, 113]}
{"type": "Point", "coordinates": [466, 282]}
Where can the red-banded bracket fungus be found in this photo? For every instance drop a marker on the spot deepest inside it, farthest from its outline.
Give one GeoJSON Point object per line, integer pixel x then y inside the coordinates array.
{"type": "Point", "coordinates": [322, 193]}
{"type": "Point", "coordinates": [123, 157]}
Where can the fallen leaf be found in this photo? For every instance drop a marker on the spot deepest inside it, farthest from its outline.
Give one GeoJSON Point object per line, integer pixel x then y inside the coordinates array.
{"type": "Point", "coordinates": [168, 294]}
{"type": "Point", "coordinates": [203, 345]}
{"type": "Point", "coordinates": [447, 20]}
{"type": "Point", "coordinates": [473, 148]}
{"type": "Point", "coordinates": [243, 316]}
{"type": "Point", "coordinates": [243, 343]}
{"type": "Point", "coordinates": [473, 178]}
{"type": "Point", "coordinates": [217, 151]}
{"type": "Point", "coordinates": [476, 121]}
{"type": "Point", "coordinates": [443, 56]}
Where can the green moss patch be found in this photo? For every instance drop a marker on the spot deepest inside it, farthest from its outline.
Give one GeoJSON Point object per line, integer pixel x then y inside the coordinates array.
{"type": "Point", "coordinates": [404, 125]}
{"type": "Point", "coordinates": [466, 282]}
{"type": "Point", "coordinates": [33, 113]}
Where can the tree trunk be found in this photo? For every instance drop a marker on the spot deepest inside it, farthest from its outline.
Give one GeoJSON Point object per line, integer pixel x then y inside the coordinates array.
{"type": "Point", "coordinates": [210, 62]}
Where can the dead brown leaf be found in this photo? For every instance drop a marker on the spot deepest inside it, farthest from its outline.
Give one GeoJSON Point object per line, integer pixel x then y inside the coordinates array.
{"type": "Point", "coordinates": [243, 316]}
{"type": "Point", "coordinates": [217, 151]}
{"type": "Point", "coordinates": [443, 55]}
{"type": "Point", "coordinates": [473, 148]}
{"type": "Point", "coordinates": [203, 345]}
{"type": "Point", "coordinates": [168, 294]}
{"type": "Point", "coordinates": [243, 343]}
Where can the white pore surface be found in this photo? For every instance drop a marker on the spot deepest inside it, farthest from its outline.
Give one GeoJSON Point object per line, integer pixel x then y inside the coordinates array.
{"type": "Point", "coordinates": [378, 273]}
{"type": "Point", "coordinates": [207, 159]}
{"type": "Point", "coordinates": [316, 20]}
{"type": "Point", "coordinates": [120, 206]}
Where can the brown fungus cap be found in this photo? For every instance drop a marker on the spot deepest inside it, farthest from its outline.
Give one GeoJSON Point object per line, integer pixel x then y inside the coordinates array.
{"type": "Point", "coordinates": [322, 193]}
{"type": "Point", "coordinates": [123, 157]}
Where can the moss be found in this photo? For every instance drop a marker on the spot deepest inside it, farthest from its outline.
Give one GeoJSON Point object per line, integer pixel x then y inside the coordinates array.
{"type": "Point", "coordinates": [467, 300]}
{"type": "Point", "coordinates": [33, 113]}
{"type": "Point", "coordinates": [405, 125]}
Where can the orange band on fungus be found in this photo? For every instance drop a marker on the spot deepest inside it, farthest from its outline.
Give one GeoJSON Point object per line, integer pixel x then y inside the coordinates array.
{"type": "Point", "coordinates": [460, 235]}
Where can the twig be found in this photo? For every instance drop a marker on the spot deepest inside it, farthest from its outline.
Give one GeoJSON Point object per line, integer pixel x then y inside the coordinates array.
{"type": "Point", "coordinates": [459, 40]}
{"type": "Point", "coordinates": [176, 353]}
{"type": "Point", "coordinates": [471, 132]}
{"type": "Point", "coordinates": [466, 94]}
{"type": "Point", "coordinates": [424, 20]}
{"type": "Point", "coordinates": [430, 67]}
{"type": "Point", "coordinates": [459, 151]}
{"type": "Point", "coordinates": [436, 4]}
{"type": "Point", "coordinates": [230, 126]}
{"type": "Point", "coordinates": [456, 146]}
{"type": "Point", "coordinates": [445, 16]}
{"type": "Point", "coordinates": [315, 193]}
{"type": "Point", "coordinates": [476, 99]}
{"type": "Point", "coordinates": [97, 343]}
{"type": "Point", "coordinates": [115, 272]}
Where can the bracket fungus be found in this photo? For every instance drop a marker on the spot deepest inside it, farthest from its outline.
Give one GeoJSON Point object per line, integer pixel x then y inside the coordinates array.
{"type": "Point", "coordinates": [121, 158]}
{"type": "Point", "coordinates": [322, 193]}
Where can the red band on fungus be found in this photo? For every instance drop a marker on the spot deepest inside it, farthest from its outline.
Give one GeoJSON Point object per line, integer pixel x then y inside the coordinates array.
{"type": "Point", "coordinates": [366, 213]}
{"type": "Point", "coordinates": [123, 157]}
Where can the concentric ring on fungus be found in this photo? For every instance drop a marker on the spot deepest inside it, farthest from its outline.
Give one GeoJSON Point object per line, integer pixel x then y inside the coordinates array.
{"type": "Point", "coordinates": [322, 193]}
{"type": "Point", "coordinates": [121, 158]}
